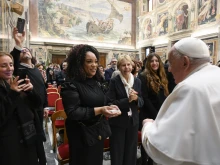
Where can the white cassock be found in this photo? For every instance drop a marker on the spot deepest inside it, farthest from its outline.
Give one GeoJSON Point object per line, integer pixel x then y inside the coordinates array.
{"type": "Point", "coordinates": [187, 128]}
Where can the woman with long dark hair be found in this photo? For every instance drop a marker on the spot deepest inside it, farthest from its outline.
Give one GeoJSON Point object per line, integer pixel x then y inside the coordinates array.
{"type": "Point", "coordinates": [154, 92]}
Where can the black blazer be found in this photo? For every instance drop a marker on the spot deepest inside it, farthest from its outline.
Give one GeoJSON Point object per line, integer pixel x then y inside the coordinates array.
{"type": "Point", "coordinates": [108, 74]}
{"type": "Point", "coordinates": [117, 95]}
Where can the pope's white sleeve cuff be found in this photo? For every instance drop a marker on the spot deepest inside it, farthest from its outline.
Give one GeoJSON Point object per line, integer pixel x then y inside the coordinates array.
{"type": "Point", "coordinates": [144, 131]}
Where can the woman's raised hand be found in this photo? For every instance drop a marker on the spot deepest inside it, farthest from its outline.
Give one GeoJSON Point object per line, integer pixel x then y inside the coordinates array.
{"type": "Point", "coordinates": [15, 84]}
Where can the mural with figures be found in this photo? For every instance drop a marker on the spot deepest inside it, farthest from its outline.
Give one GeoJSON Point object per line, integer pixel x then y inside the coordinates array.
{"type": "Point", "coordinates": [107, 21]}
{"type": "Point", "coordinates": [181, 18]}
{"type": "Point", "coordinates": [162, 52]}
{"type": "Point", "coordinates": [161, 2]}
{"type": "Point", "coordinates": [210, 45]}
{"type": "Point", "coordinates": [206, 11]}
{"type": "Point", "coordinates": [162, 24]}
{"type": "Point", "coordinates": [147, 28]}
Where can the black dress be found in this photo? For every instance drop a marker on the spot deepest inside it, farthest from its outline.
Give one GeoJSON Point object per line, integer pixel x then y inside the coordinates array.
{"type": "Point", "coordinates": [150, 109]}
{"type": "Point", "coordinates": [14, 150]}
{"type": "Point", "coordinates": [79, 100]}
{"type": "Point", "coordinates": [152, 100]}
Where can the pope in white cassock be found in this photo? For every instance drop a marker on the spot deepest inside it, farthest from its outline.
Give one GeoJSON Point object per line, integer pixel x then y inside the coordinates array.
{"type": "Point", "coordinates": [187, 128]}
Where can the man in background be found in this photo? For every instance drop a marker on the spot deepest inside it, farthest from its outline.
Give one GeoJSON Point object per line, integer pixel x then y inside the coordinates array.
{"type": "Point", "coordinates": [108, 72]}
{"type": "Point", "coordinates": [24, 65]}
{"type": "Point", "coordinates": [61, 77]}
{"type": "Point", "coordinates": [186, 130]}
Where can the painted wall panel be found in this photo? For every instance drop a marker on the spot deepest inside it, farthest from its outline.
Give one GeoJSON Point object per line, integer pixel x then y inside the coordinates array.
{"type": "Point", "coordinates": [105, 21]}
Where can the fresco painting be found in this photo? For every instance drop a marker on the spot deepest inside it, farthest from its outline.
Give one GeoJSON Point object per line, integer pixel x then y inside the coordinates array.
{"type": "Point", "coordinates": [211, 52]}
{"type": "Point", "coordinates": [1, 21]}
{"type": "Point", "coordinates": [162, 53]}
{"type": "Point", "coordinates": [207, 10]}
{"type": "Point", "coordinates": [162, 24]}
{"type": "Point", "coordinates": [147, 28]}
{"type": "Point", "coordinates": [161, 1]}
{"type": "Point", "coordinates": [181, 18]}
{"type": "Point", "coordinates": [107, 21]}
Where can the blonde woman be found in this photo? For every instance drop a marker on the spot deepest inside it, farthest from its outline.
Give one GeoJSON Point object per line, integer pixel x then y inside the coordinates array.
{"type": "Point", "coordinates": [19, 124]}
{"type": "Point", "coordinates": [125, 92]}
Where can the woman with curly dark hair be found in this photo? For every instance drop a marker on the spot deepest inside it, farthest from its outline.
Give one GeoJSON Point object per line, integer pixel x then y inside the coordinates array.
{"type": "Point", "coordinates": [84, 104]}
{"type": "Point", "coordinates": [154, 85]}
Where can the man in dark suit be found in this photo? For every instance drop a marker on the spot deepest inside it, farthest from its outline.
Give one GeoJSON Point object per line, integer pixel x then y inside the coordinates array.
{"type": "Point", "coordinates": [108, 72]}
{"type": "Point", "coordinates": [24, 65]}
{"type": "Point", "coordinates": [61, 77]}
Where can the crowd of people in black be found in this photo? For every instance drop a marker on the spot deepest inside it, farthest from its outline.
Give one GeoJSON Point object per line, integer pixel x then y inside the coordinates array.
{"type": "Point", "coordinates": [84, 101]}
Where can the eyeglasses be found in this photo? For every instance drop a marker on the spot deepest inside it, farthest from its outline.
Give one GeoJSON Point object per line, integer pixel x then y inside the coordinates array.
{"type": "Point", "coordinates": [25, 50]}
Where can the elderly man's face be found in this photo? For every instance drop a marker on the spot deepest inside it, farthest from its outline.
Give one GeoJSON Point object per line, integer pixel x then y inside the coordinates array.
{"type": "Point", "coordinates": [64, 65]}
{"type": "Point", "coordinates": [114, 62]}
{"type": "Point", "coordinates": [176, 67]}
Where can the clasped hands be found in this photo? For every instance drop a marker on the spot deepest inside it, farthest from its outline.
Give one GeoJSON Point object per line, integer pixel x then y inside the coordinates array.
{"type": "Point", "coordinates": [111, 111]}
{"type": "Point", "coordinates": [15, 84]}
{"type": "Point", "coordinates": [133, 95]}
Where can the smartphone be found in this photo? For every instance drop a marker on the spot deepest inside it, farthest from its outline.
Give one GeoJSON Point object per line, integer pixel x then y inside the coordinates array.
{"type": "Point", "coordinates": [22, 73]}
{"type": "Point", "coordinates": [20, 25]}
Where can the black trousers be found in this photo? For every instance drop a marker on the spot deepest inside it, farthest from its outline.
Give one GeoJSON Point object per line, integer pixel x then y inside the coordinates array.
{"type": "Point", "coordinates": [123, 145]}
{"type": "Point", "coordinates": [145, 159]}
{"type": "Point", "coordinates": [41, 153]}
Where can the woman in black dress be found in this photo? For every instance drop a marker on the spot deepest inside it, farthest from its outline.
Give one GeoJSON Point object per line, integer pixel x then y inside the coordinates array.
{"type": "Point", "coordinates": [154, 86]}
{"type": "Point", "coordinates": [84, 102]}
{"type": "Point", "coordinates": [19, 123]}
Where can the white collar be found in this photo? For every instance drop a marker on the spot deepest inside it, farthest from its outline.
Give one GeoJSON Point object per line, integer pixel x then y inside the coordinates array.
{"type": "Point", "coordinates": [26, 65]}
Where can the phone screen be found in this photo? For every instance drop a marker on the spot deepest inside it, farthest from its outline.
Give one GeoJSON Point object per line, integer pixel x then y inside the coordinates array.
{"type": "Point", "coordinates": [22, 73]}
{"type": "Point", "coordinates": [20, 25]}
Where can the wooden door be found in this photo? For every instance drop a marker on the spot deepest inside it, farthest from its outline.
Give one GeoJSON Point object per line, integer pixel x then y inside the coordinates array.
{"type": "Point", "coordinates": [102, 59]}
{"type": "Point", "coordinates": [58, 59]}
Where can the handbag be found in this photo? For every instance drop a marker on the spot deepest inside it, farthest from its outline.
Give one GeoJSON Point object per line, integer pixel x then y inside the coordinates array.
{"type": "Point", "coordinates": [104, 86]}
{"type": "Point", "coordinates": [96, 132]}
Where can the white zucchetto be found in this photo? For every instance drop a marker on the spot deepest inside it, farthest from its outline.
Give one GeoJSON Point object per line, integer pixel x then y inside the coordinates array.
{"type": "Point", "coordinates": [192, 47]}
